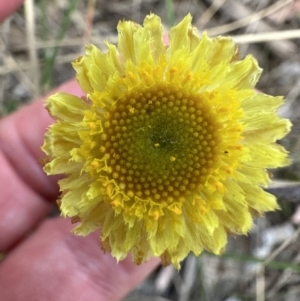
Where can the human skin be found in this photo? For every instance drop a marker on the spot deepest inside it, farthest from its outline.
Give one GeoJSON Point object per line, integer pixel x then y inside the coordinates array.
{"type": "Point", "coordinates": [44, 260]}
{"type": "Point", "coordinates": [8, 7]}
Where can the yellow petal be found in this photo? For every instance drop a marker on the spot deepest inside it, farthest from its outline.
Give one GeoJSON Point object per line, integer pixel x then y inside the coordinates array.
{"type": "Point", "coordinates": [126, 31]}
{"type": "Point", "coordinates": [179, 36]}
{"type": "Point", "coordinates": [259, 199]}
{"type": "Point", "coordinates": [244, 74]}
{"type": "Point", "coordinates": [66, 107]}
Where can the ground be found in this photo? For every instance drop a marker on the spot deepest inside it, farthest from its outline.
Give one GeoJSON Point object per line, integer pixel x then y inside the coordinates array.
{"type": "Point", "coordinates": [265, 264]}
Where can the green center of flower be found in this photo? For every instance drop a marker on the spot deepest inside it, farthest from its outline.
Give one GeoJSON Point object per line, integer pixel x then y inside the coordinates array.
{"type": "Point", "coordinates": [160, 143]}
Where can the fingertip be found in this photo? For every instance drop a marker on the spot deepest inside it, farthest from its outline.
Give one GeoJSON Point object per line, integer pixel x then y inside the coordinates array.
{"type": "Point", "coordinates": [22, 135]}
{"type": "Point", "coordinates": [8, 7]}
{"type": "Point", "coordinates": [26, 191]}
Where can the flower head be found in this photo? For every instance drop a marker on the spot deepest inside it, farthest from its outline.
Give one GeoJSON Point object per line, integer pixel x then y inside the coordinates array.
{"type": "Point", "coordinates": [168, 151]}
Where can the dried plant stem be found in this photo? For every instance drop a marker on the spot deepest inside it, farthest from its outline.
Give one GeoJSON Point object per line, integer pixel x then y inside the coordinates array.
{"type": "Point", "coordinates": [260, 285]}
{"type": "Point", "coordinates": [249, 19]}
{"type": "Point", "coordinates": [89, 17]}
{"type": "Point", "coordinates": [208, 14]}
{"type": "Point", "coordinates": [31, 43]}
{"type": "Point", "coordinates": [260, 281]}
{"type": "Point", "coordinates": [267, 36]}
{"type": "Point", "coordinates": [241, 39]}
{"type": "Point", "coordinates": [11, 64]}
{"type": "Point", "coordinates": [280, 249]}
{"type": "Point", "coordinates": [259, 273]}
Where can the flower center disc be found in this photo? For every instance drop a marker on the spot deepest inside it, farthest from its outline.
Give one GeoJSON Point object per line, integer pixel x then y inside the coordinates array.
{"type": "Point", "coordinates": [160, 143]}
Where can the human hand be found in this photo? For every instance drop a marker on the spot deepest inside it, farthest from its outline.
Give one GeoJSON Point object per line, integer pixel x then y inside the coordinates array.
{"type": "Point", "coordinates": [45, 261]}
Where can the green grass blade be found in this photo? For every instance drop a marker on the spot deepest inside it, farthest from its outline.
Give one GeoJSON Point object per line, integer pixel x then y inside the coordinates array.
{"type": "Point", "coordinates": [274, 264]}
{"type": "Point", "coordinates": [170, 12]}
{"type": "Point", "coordinates": [51, 55]}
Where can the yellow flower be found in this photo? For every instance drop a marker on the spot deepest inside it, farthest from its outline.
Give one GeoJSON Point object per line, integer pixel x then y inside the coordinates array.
{"type": "Point", "coordinates": [168, 151]}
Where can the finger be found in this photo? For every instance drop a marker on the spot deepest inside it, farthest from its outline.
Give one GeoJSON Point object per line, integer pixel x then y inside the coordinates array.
{"type": "Point", "coordinates": [8, 7]}
{"type": "Point", "coordinates": [25, 189]}
{"type": "Point", "coordinates": [22, 135]}
{"type": "Point", "coordinates": [56, 265]}
{"type": "Point", "coordinates": [21, 208]}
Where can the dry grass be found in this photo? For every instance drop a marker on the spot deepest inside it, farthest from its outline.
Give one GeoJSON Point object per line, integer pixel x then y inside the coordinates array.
{"type": "Point", "coordinates": [40, 40]}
